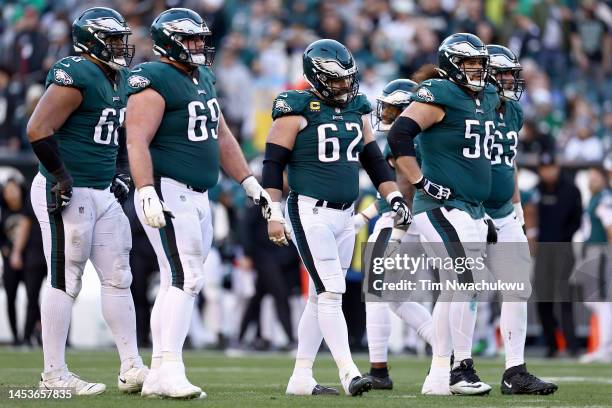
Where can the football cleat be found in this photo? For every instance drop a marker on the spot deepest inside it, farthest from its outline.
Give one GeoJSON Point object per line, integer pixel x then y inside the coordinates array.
{"type": "Point", "coordinates": [132, 379]}
{"type": "Point", "coordinates": [599, 356]}
{"type": "Point", "coordinates": [63, 378]}
{"type": "Point", "coordinates": [174, 384]}
{"type": "Point", "coordinates": [359, 385]}
{"type": "Point", "coordinates": [380, 383]}
{"type": "Point", "coordinates": [150, 386]}
{"type": "Point", "coordinates": [517, 380]}
{"type": "Point", "coordinates": [465, 381]}
{"type": "Point", "coordinates": [437, 384]}
{"type": "Point", "coordinates": [308, 386]}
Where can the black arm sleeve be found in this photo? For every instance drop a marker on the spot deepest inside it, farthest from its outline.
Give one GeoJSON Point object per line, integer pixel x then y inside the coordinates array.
{"type": "Point", "coordinates": [401, 136]}
{"type": "Point", "coordinates": [123, 165]}
{"type": "Point", "coordinates": [375, 164]}
{"type": "Point", "coordinates": [274, 164]}
{"type": "Point", "coordinates": [47, 151]}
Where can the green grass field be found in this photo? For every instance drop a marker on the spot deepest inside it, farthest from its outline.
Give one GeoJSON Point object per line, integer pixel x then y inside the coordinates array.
{"type": "Point", "coordinates": [260, 380]}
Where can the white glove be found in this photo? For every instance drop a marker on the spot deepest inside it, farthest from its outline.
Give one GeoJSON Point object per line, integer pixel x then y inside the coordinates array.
{"type": "Point", "coordinates": [152, 207]}
{"type": "Point", "coordinates": [254, 190]}
{"type": "Point", "coordinates": [363, 217]}
{"type": "Point", "coordinates": [518, 210]}
{"type": "Point", "coordinates": [274, 213]}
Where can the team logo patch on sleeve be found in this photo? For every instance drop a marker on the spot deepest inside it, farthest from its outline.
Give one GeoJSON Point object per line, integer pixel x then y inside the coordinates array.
{"type": "Point", "coordinates": [62, 77]}
{"type": "Point", "coordinates": [137, 81]}
{"type": "Point", "coordinates": [282, 105]}
{"type": "Point", "coordinates": [425, 94]}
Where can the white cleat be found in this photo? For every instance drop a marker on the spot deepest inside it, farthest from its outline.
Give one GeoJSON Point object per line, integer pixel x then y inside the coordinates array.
{"type": "Point", "coordinates": [132, 379]}
{"type": "Point", "coordinates": [65, 379]}
{"type": "Point", "coordinates": [599, 356]}
{"type": "Point", "coordinates": [308, 386]}
{"type": "Point", "coordinates": [436, 385]}
{"type": "Point", "coordinates": [173, 383]}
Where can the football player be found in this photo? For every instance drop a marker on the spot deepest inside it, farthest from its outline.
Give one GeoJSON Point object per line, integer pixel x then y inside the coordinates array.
{"type": "Point", "coordinates": [504, 207]}
{"type": "Point", "coordinates": [452, 113]}
{"type": "Point", "coordinates": [321, 135]}
{"type": "Point", "coordinates": [177, 141]}
{"type": "Point", "coordinates": [394, 99]}
{"type": "Point", "coordinates": [74, 132]}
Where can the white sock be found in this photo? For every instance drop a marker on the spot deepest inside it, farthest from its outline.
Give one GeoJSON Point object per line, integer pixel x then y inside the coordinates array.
{"type": "Point", "coordinates": [462, 317]}
{"type": "Point", "coordinates": [55, 314]}
{"type": "Point", "coordinates": [513, 328]}
{"type": "Point", "coordinates": [416, 316]}
{"type": "Point", "coordinates": [178, 307]}
{"type": "Point", "coordinates": [604, 319]}
{"type": "Point", "coordinates": [309, 340]}
{"type": "Point", "coordinates": [378, 326]}
{"type": "Point", "coordinates": [119, 315]}
{"type": "Point", "coordinates": [441, 346]}
{"type": "Point", "coordinates": [335, 333]}
{"type": "Point", "coordinates": [157, 317]}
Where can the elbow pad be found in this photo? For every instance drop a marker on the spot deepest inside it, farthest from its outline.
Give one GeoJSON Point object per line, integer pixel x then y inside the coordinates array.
{"type": "Point", "coordinates": [275, 160]}
{"type": "Point", "coordinates": [401, 136]}
{"type": "Point", "coordinates": [375, 164]}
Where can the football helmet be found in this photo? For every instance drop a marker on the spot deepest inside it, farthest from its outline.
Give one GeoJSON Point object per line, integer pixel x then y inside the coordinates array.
{"type": "Point", "coordinates": [394, 99]}
{"type": "Point", "coordinates": [172, 27]}
{"type": "Point", "coordinates": [103, 33]}
{"type": "Point", "coordinates": [452, 55]}
{"type": "Point", "coordinates": [502, 60]}
{"type": "Point", "coordinates": [329, 67]}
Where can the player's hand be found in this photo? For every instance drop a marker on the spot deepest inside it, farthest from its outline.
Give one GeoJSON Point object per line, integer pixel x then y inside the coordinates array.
{"type": "Point", "coordinates": [153, 208]}
{"type": "Point", "coordinates": [255, 191]}
{"type": "Point", "coordinates": [432, 189]}
{"type": "Point", "coordinates": [61, 194]}
{"type": "Point", "coordinates": [359, 221]}
{"type": "Point", "coordinates": [491, 231]}
{"type": "Point", "coordinates": [400, 209]}
{"type": "Point", "coordinates": [279, 231]}
{"type": "Point", "coordinates": [120, 187]}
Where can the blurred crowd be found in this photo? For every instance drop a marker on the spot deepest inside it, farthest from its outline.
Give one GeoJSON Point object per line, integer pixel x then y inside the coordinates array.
{"type": "Point", "coordinates": [565, 47]}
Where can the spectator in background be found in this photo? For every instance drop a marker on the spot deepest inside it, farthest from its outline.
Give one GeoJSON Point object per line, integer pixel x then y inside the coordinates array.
{"type": "Point", "coordinates": [11, 100]}
{"type": "Point", "coordinates": [29, 48]}
{"type": "Point", "coordinates": [28, 255]}
{"type": "Point", "coordinates": [12, 208]}
{"type": "Point", "coordinates": [559, 211]}
{"type": "Point", "coordinates": [584, 145]}
{"type": "Point", "coordinates": [60, 43]}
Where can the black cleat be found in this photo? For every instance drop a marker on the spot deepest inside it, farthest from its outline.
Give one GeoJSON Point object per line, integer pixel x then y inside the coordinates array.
{"type": "Point", "coordinates": [359, 385]}
{"type": "Point", "coordinates": [321, 390]}
{"type": "Point", "coordinates": [517, 380]}
{"type": "Point", "coordinates": [465, 381]}
{"type": "Point", "coordinates": [380, 383]}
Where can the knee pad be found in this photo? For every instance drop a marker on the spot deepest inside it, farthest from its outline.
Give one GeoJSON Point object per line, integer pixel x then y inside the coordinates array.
{"type": "Point", "coordinates": [194, 281]}
{"type": "Point", "coordinates": [330, 300]}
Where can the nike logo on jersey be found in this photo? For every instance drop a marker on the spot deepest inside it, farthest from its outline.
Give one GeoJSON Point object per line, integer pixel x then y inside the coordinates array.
{"type": "Point", "coordinates": [201, 91]}
{"type": "Point", "coordinates": [283, 95]}
{"type": "Point", "coordinates": [507, 384]}
{"type": "Point", "coordinates": [137, 70]}
{"type": "Point", "coordinates": [66, 65]}
{"type": "Point", "coordinates": [116, 98]}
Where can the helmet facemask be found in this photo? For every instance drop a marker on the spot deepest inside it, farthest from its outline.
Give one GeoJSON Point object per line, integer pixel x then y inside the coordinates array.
{"type": "Point", "coordinates": [337, 90]}
{"type": "Point", "coordinates": [474, 78]}
{"type": "Point", "coordinates": [386, 113]}
{"type": "Point", "coordinates": [508, 82]}
{"type": "Point", "coordinates": [116, 48]}
{"type": "Point", "coordinates": [195, 51]}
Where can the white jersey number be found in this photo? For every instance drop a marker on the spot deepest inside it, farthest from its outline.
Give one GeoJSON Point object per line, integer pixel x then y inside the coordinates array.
{"type": "Point", "coordinates": [476, 151]}
{"type": "Point", "coordinates": [196, 128]}
{"type": "Point", "coordinates": [332, 153]}
{"type": "Point", "coordinates": [105, 131]}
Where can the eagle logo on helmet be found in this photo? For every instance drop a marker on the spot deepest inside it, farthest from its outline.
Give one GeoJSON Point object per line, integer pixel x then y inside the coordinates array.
{"type": "Point", "coordinates": [106, 24]}
{"type": "Point", "coordinates": [137, 81]}
{"type": "Point", "coordinates": [62, 77]}
{"type": "Point", "coordinates": [332, 68]}
{"type": "Point", "coordinates": [425, 94]}
{"type": "Point", "coordinates": [282, 106]}
{"type": "Point", "coordinates": [185, 26]}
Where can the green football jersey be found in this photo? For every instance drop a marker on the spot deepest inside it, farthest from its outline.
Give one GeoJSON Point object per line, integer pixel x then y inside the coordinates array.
{"type": "Point", "coordinates": [88, 139]}
{"type": "Point", "coordinates": [324, 161]}
{"type": "Point", "coordinates": [454, 152]}
{"type": "Point", "coordinates": [185, 147]}
{"type": "Point", "coordinates": [597, 230]}
{"type": "Point", "coordinates": [503, 154]}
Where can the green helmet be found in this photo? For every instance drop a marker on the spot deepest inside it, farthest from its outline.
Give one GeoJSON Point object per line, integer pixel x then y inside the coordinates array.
{"type": "Point", "coordinates": [396, 94]}
{"type": "Point", "coordinates": [504, 60]}
{"type": "Point", "coordinates": [452, 53]}
{"type": "Point", "coordinates": [325, 61]}
{"type": "Point", "coordinates": [103, 33]}
{"type": "Point", "coordinates": [173, 26]}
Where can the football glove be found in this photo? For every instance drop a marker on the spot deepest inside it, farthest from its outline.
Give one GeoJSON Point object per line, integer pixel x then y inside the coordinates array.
{"type": "Point", "coordinates": [399, 206]}
{"type": "Point", "coordinates": [254, 190]}
{"type": "Point", "coordinates": [272, 212]}
{"type": "Point", "coordinates": [491, 231]}
{"type": "Point", "coordinates": [61, 193]}
{"type": "Point", "coordinates": [432, 189]}
{"type": "Point", "coordinates": [120, 187]}
{"type": "Point", "coordinates": [153, 208]}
